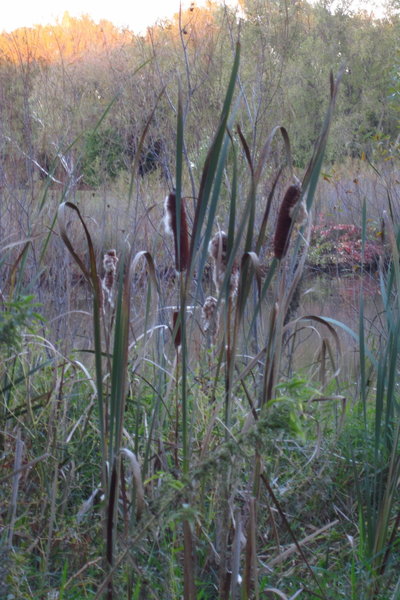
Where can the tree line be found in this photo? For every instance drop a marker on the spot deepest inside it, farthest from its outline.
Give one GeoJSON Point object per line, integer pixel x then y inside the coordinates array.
{"type": "Point", "coordinates": [85, 101]}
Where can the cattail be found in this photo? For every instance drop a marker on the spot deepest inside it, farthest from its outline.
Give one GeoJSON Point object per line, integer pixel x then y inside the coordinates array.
{"type": "Point", "coordinates": [285, 218]}
{"type": "Point", "coordinates": [110, 261]}
{"type": "Point", "coordinates": [176, 330]}
{"type": "Point", "coordinates": [170, 223]}
{"type": "Point", "coordinates": [218, 250]}
{"type": "Point", "coordinates": [210, 316]}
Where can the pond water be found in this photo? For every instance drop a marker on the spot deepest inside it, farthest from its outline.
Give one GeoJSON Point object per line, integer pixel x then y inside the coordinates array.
{"type": "Point", "coordinates": [323, 296]}
{"type": "Point", "coordinates": [338, 298]}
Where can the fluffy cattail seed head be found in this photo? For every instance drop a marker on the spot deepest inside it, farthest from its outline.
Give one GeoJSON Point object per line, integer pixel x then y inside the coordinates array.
{"type": "Point", "coordinates": [218, 250]}
{"type": "Point", "coordinates": [284, 223]}
{"type": "Point", "coordinates": [110, 261]}
{"type": "Point", "coordinates": [210, 316]}
{"type": "Point", "coordinates": [181, 238]}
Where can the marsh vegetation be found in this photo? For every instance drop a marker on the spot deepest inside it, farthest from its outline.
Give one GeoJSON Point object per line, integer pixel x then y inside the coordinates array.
{"type": "Point", "coordinates": [199, 327]}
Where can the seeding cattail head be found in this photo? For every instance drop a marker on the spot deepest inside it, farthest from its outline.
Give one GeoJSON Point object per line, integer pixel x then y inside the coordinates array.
{"type": "Point", "coordinates": [218, 248]}
{"type": "Point", "coordinates": [284, 223]}
{"type": "Point", "coordinates": [176, 330]}
{"type": "Point", "coordinates": [181, 238]}
{"type": "Point", "coordinates": [210, 316]}
{"type": "Point", "coordinates": [110, 261]}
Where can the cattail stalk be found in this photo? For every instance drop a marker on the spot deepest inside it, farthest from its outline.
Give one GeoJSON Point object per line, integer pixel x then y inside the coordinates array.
{"type": "Point", "coordinates": [181, 238]}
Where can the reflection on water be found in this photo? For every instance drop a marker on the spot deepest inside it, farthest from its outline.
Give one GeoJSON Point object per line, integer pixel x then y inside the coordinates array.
{"type": "Point", "coordinates": [337, 298]}
{"type": "Point", "coordinates": [323, 296]}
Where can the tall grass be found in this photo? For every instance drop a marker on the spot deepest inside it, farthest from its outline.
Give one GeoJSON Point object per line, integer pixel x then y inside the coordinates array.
{"type": "Point", "coordinates": [378, 481]}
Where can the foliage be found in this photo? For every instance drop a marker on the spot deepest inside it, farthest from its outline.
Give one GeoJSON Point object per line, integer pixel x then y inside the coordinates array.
{"type": "Point", "coordinates": [342, 247]}
{"type": "Point", "coordinates": [103, 157]}
{"type": "Point", "coordinates": [17, 316]}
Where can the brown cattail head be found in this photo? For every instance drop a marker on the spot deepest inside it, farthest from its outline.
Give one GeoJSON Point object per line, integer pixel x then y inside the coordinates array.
{"type": "Point", "coordinates": [176, 330]}
{"type": "Point", "coordinates": [171, 226]}
{"type": "Point", "coordinates": [284, 223]}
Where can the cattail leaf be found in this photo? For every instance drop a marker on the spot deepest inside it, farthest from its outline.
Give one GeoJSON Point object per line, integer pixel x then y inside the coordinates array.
{"type": "Point", "coordinates": [212, 211]}
{"type": "Point", "coordinates": [120, 357]}
{"type": "Point", "coordinates": [310, 179]}
{"type": "Point", "coordinates": [144, 254]}
{"type": "Point", "coordinates": [93, 278]}
{"type": "Point", "coordinates": [62, 209]}
{"type": "Point", "coordinates": [267, 148]}
{"type": "Point", "coordinates": [212, 159]}
{"type": "Point", "coordinates": [264, 222]}
{"type": "Point", "coordinates": [249, 266]}
{"type": "Point", "coordinates": [246, 149]}
{"type": "Point", "coordinates": [232, 206]}
{"type": "Point", "coordinates": [137, 480]}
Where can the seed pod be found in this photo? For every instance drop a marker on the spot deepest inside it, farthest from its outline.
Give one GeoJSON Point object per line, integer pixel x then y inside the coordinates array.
{"type": "Point", "coordinates": [284, 223]}
{"type": "Point", "coordinates": [170, 223]}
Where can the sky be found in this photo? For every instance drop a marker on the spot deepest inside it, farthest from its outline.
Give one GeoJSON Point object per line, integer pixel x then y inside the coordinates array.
{"type": "Point", "coordinates": [133, 14]}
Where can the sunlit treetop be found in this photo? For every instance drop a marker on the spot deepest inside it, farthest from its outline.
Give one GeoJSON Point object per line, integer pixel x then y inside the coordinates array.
{"type": "Point", "coordinates": [71, 38]}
